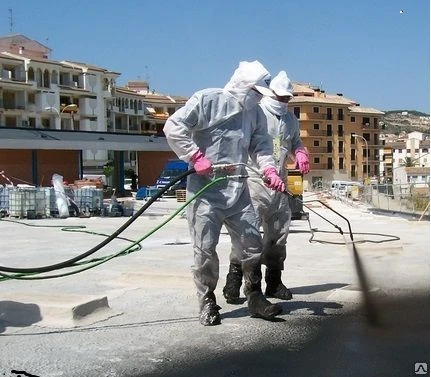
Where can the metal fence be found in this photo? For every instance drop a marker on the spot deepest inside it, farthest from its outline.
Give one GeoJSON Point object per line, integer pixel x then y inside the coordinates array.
{"type": "Point", "coordinates": [411, 199]}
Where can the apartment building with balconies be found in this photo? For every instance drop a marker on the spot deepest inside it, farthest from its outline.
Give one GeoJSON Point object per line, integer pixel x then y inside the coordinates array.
{"type": "Point", "coordinates": [136, 110]}
{"type": "Point", "coordinates": [125, 124]}
{"type": "Point", "coordinates": [342, 137]}
{"type": "Point", "coordinates": [57, 98]}
{"type": "Point", "coordinates": [410, 161]}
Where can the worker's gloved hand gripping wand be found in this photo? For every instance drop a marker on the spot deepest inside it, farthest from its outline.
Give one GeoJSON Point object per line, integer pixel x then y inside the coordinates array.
{"type": "Point", "coordinates": [273, 180]}
{"type": "Point", "coordinates": [202, 165]}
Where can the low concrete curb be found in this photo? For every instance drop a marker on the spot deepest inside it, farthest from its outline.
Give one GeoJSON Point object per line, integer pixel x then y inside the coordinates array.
{"type": "Point", "coordinates": [54, 311]}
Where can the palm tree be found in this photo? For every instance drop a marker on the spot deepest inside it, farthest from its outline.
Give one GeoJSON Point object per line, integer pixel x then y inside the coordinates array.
{"type": "Point", "coordinates": [408, 162]}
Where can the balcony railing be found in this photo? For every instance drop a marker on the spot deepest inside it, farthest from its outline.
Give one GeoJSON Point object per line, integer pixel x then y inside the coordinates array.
{"type": "Point", "coordinates": [318, 166]}
{"type": "Point", "coordinates": [313, 116]}
{"type": "Point", "coordinates": [318, 150]}
{"type": "Point", "coordinates": [305, 133]}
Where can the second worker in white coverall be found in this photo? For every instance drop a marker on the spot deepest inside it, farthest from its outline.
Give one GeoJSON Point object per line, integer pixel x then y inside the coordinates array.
{"type": "Point", "coordinates": [272, 207]}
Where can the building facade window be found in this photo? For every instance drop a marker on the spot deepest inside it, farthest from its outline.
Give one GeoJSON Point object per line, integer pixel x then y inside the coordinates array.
{"type": "Point", "coordinates": [31, 74]}
{"type": "Point", "coordinates": [54, 77]}
{"type": "Point", "coordinates": [45, 123]}
{"type": "Point", "coordinates": [31, 98]}
{"type": "Point", "coordinates": [46, 79]}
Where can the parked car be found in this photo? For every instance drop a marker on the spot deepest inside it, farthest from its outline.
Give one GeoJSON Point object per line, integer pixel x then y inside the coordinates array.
{"type": "Point", "coordinates": [172, 169]}
{"type": "Point", "coordinates": [343, 188]}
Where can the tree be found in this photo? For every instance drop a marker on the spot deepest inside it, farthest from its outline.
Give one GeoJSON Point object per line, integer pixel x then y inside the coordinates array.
{"type": "Point", "coordinates": [408, 162]}
{"type": "Point", "coordinates": [108, 168]}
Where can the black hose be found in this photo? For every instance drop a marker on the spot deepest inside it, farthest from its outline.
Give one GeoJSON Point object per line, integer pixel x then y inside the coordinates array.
{"type": "Point", "coordinates": [70, 262]}
{"type": "Point", "coordinates": [370, 309]}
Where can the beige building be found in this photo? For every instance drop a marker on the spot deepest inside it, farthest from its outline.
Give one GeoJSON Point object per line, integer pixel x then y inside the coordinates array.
{"type": "Point", "coordinates": [341, 136]}
{"type": "Point", "coordinates": [56, 106]}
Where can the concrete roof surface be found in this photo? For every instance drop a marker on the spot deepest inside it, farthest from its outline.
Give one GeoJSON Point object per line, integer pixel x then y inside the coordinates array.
{"type": "Point", "coordinates": [136, 315]}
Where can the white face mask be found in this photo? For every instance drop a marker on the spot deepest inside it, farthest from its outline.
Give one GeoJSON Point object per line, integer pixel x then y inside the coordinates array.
{"type": "Point", "coordinates": [274, 106]}
{"type": "Point", "coordinates": [251, 99]}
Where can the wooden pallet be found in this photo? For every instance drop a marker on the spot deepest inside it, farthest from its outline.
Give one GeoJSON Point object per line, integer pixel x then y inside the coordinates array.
{"type": "Point", "coordinates": [181, 195]}
{"type": "Point", "coordinates": [98, 183]}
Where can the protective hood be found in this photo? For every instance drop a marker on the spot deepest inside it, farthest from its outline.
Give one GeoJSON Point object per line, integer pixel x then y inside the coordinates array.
{"type": "Point", "coordinates": [281, 86]}
{"type": "Point", "coordinates": [249, 75]}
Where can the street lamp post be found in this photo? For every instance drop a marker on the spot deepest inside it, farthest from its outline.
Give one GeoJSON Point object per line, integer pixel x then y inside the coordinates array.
{"type": "Point", "coordinates": [53, 108]}
{"type": "Point", "coordinates": [366, 151]}
{"type": "Point", "coordinates": [72, 107]}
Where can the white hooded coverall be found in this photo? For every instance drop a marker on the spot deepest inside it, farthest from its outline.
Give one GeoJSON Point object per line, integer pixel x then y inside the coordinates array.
{"type": "Point", "coordinates": [226, 125]}
{"type": "Point", "coordinates": [272, 207]}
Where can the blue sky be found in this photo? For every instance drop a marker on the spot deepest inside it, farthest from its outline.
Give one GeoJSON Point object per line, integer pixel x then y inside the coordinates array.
{"type": "Point", "coordinates": [365, 49]}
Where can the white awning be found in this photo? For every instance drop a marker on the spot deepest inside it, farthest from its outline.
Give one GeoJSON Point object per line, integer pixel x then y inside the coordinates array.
{"type": "Point", "coordinates": [11, 138]}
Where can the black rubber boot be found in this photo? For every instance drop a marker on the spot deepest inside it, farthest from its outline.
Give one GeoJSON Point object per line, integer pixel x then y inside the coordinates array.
{"type": "Point", "coordinates": [260, 307]}
{"type": "Point", "coordinates": [209, 311]}
{"type": "Point", "coordinates": [275, 287]}
{"type": "Point", "coordinates": [233, 284]}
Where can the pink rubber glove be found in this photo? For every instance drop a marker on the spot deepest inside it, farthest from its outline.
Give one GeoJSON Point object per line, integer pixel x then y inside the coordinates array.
{"type": "Point", "coordinates": [272, 180]}
{"type": "Point", "coordinates": [302, 161]}
{"type": "Point", "coordinates": [202, 165]}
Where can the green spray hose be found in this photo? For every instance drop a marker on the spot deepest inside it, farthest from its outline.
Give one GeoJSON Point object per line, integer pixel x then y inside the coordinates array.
{"type": "Point", "coordinates": [92, 264]}
{"type": "Point", "coordinates": [114, 235]}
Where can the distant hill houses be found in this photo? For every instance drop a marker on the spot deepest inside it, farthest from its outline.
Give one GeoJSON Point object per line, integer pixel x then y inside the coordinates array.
{"type": "Point", "coordinates": [406, 121]}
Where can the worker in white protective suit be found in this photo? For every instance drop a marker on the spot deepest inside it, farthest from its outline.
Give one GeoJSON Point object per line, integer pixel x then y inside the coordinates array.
{"type": "Point", "coordinates": [272, 207]}
{"type": "Point", "coordinates": [222, 126]}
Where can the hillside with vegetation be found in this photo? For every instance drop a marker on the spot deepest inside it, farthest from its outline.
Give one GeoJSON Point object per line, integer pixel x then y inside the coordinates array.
{"type": "Point", "coordinates": [397, 121]}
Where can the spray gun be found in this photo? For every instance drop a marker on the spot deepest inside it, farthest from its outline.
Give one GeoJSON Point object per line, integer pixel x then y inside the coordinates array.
{"type": "Point", "coordinates": [230, 168]}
